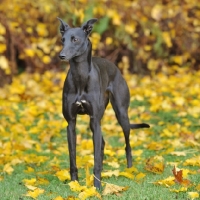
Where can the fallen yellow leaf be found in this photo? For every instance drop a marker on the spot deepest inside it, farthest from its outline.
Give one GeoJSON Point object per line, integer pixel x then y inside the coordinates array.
{"type": "Point", "coordinates": [110, 173]}
{"type": "Point", "coordinates": [89, 192]}
{"type": "Point", "coordinates": [31, 181]}
{"type": "Point", "coordinates": [34, 194]}
{"type": "Point", "coordinates": [155, 164]}
{"type": "Point", "coordinates": [166, 182]}
{"type": "Point", "coordinates": [63, 175]}
{"type": "Point", "coordinates": [182, 189]}
{"type": "Point", "coordinates": [76, 187]}
{"type": "Point", "coordinates": [8, 169]}
{"type": "Point", "coordinates": [140, 176]}
{"type": "Point", "coordinates": [193, 195]}
{"type": "Point", "coordinates": [127, 175]}
{"type": "Point", "coordinates": [113, 189]}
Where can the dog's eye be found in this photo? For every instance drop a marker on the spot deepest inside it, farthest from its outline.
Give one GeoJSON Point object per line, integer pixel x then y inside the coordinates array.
{"type": "Point", "coordinates": [74, 39]}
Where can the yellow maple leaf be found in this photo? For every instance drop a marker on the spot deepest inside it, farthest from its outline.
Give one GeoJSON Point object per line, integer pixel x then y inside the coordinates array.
{"type": "Point", "coordinates": [198, 187]}
{"type": "Point", "coordinates": [29, 170]}
{"type": "Point", "coordinates": [8, 168]}
{"type": "Point", "coordinates": [131, 169]}
{"type": "Point", "coordinates": [178, 153]}
{"type": "Point", "coordinates": [195, 161]}
{"type": "Point", "coordinates": [76, 187]}
{"type": "Point", "coordinates": [42, 181]}
{"type": "Point", "coordinates": [140, 176]}
{"type": "Point", "coordinates": [58, 198]}
{"type": "Point", "coordinates": [182, 189]}
{"type": "Point", "coordinates": [193, 195]}
{"type": "Point", "coordinates": [110, 173]}
{"type": "Point", "coordinates": [113, 164]}
{"type": "Point", "coordinates": [166, 182]}
{"type": "Point", "coordinates": [89, 177]}
{"type": "Point", "coordinates": [34, 194]}
{"type": "Point", "coordinates": [2, 29]}
{"type": "Point", "coordinates": [31, 187]}
{"type": "Point", "coordinates": [31, 181]}
{"type": "Point", "coordinates": [46, 59]}
{"type": "Point", "coordinates": [89, 192]}
{"type": "Point", "coordinates": [63, 175]}
{"type": "Point", "coordinates": [127, 175]}
{"type": "Point", "coordinates": [29, 52]}
{"type": "Point", "coordinates": [155, 164]}
{"type": "Point", "coordinates": [156, 12]}
{"type": "Point", "coordinates": [113, 189]}
{"type": "Point", "coordinates": [2, 48]}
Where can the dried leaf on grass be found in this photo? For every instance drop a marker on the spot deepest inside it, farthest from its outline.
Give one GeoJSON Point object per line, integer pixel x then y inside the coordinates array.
{"type": "Point", "coordinates": [179, 177]}
{"type": "Point", "coordinates": [155, 164]}
{"type": "Point", "coordinates": [166, 182]}
{"type": "Point", "coordinates": [35, 193]}
{"type": "Point", "coordinates": [113, 189]}
{"type": "Point", "coordinates": [193, 195]}
{"type": "Point", "coordinates": [89, 192]}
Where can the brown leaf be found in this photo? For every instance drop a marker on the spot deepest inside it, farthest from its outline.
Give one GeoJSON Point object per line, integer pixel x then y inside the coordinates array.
{"type": "Point", "coordinates": [179, 177]}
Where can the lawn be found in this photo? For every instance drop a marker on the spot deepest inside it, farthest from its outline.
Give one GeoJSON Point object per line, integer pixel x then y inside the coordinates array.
{"type": "Point", "coordinates": [34, 160]}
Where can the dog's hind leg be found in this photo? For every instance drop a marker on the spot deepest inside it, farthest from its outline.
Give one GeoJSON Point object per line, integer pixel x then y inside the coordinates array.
{"type": "Point", "coordinates": [122, 117]}
{"type": "Point", "coordinates": [119, 98]}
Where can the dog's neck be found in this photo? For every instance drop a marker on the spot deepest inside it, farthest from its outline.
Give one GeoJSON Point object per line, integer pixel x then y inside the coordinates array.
{"type": "Point", "coordinates": [80, 67]}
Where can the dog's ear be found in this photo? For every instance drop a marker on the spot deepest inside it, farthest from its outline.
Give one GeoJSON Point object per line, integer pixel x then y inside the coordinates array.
{"type": "Point", "coordinates": [87, 26]}
{"type": "Point", "coordinates": [63, 26]}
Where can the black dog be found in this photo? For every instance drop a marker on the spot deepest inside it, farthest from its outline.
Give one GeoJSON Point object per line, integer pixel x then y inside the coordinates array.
{"type": "Point", "coordinates": [90, 84]}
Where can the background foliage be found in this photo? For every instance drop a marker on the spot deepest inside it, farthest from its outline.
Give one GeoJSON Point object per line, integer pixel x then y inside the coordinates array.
{"type": "Point", "coordinates": [142, 35]}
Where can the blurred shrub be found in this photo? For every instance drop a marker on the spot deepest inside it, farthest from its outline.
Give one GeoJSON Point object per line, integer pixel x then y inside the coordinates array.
{"type": "Point", "coordinates": [140, 35]}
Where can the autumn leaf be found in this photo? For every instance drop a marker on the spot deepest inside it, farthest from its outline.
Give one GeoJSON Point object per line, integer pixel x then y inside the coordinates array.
{"type": "Point", "coordinates": [140, 176]}
{"type": "Point", "coordinates": [166, 182]}
{"type": "Point", "coordinates": [178, 153]}
{"type": "Point", "coordinates": [155, 164]}
{"type": "Point", "coordinates": [42, 181]}
{"type": "Point", "coordinates": [76, 187]}
{"type": "Point", "coordinates": [30, 187]}
{"type": "Point", "coordinates": [195, 161]}
{"type": "Point", "coordinates": [31, 181]}
{"type": "Point", "coordinates": [110, 173]}
{"type": "Point", "coordinates": [127, 175]}
{"type": "Point", "coordinates": [35, 193]}
{"type": "Point", "coordinates": [182, 189]}
{"type": "Point", "coordinates": [179, 177]}
{"type": "Point", "coordinates": [193, 195]}
{"type": "Point", "coordinates": [113, 189]}
{"type": "Point", "coordinates": [198, 187]}
{"type": "Point", "coordinates": [8, 168]}
{"type": "Point", "coordinates": [89, 192]}
{"type": "Point", "coordinates": [63, 175]}
{"type": "Point", "coordinates": [58, 198]}
{"type": "Point", "coordinates": [89, 177]}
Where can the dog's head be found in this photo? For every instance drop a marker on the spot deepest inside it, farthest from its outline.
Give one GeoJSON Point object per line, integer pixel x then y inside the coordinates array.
{"type": "Point", "coordinates": [75, 40]}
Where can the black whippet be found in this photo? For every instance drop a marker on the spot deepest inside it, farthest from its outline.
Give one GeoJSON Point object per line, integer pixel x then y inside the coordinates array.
{"type": "Point", "coordinates": [91, 82]}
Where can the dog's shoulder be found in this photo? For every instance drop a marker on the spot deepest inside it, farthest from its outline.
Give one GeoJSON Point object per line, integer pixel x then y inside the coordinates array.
{"type": "Point", "coordinates": [104, 64]}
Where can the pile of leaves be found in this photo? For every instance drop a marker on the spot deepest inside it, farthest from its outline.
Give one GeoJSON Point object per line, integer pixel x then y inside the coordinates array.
{"type": "Point", "coordinates": [34, 160]}
{"type": "Point", "coordinates": [156, 35]}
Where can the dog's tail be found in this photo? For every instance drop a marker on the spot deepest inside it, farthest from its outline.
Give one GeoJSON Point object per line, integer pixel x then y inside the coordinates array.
{"type": "Point", "coordinates": [135, 126]}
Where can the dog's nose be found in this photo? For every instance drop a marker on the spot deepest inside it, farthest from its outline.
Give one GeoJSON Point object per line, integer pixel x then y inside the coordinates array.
{"type": "Point", "coordinates": [62, 57]}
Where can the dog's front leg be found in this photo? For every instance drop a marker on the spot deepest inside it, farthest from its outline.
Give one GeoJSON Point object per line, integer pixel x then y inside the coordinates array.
{"type": "Point", "coordinates": [97, 142]}
{"type": "Point", "coordinates": [71, 137]}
